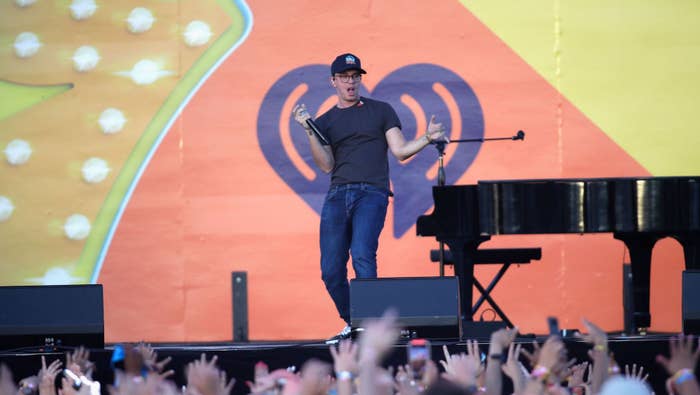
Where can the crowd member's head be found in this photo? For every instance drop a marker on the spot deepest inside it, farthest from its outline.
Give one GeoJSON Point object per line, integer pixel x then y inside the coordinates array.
{"type": "Point", "coordinates": [625, 385]}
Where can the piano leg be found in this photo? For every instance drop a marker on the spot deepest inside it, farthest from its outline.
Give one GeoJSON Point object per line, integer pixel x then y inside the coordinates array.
{"type": "Point", "coordinates": [640, 246]}
{"type": "Point", "coordinates": [463, 257]}
{"type": "Point", "coordinates": [691, 250]}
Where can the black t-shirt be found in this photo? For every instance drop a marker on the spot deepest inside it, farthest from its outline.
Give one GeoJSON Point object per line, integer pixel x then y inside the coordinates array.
{"type": "Point", "coordinates": [357, 136]}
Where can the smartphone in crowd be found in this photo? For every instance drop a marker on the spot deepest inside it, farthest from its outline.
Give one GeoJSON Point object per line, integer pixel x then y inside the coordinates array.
{"type": "Point", "coordinates": [418, 356]}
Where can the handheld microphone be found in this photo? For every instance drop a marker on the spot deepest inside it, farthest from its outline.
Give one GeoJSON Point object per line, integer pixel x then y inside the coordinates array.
{"type": "Point", "coordinates": [519, 136]}
{"type": "Point", "coordinates": [317, 132]}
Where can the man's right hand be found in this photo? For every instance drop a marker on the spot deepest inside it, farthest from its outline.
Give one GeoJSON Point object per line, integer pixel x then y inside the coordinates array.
{"type": "Point", "coordinates": [300, 115]}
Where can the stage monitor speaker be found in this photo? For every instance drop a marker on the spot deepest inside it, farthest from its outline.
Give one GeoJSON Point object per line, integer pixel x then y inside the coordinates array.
{"type": "Point", "coordinates": [427, 307]}
{"type": "Point", "coordinates": [691, 302]}
{"type": "Point", "coordinates": [51, 316]}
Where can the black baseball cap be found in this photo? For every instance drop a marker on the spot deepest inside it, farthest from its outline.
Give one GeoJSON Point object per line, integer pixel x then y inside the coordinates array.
{"type": "Point", "coordinates": [346, 61]}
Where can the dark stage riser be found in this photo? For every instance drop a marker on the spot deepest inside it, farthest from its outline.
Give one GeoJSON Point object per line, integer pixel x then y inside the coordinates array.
{"type": "Point", "coordinates": [238, 359]}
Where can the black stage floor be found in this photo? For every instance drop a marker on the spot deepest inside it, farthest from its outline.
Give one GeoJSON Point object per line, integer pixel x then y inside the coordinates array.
{"type": "Point", "coordinates": [238, 359]}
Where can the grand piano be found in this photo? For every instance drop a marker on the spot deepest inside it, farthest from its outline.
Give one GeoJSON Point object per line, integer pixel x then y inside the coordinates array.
{"type": "Point", "coordinates": [637, 211]}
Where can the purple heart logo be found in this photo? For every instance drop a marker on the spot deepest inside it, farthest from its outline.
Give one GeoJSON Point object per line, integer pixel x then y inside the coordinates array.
{"type": "Point", "coordinates": [430, 87]}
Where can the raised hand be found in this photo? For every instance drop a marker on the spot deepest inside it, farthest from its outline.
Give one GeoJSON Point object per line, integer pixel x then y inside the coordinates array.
{"type": "Point", "coordinates": [79, 362]}
{"type": "Point", "coordinates": [576, 378]}
{"type": "Point", "coordinates": [599, 354]}
{"type": "Point", "coordinates": [47, 376]}
{"type": "Point", "coordinates": [533, 356]}
{"type": "Point", "coordinates": [461, 369]}
{"type": "Point", "coordinates": [301, 114]}
{"type": "Point", "coordinates": [7, 384]}
{"type": "Point", "coordinates": [501, 339]}
{"type": "Point", "coordinates": [345, 357]}
{"type": "Point", "coordinates": [436, 132]}
{"type": "Point", "coordinates": [552, 357]}
{"type": "Point", "coordinates": [225, 386]}
{"type": "Point", "coordinates": [378, 337]}
{"type": "Point", "coordinates": [268, 382]}
{"type": "Point", "coordinates": [684, 355]}
{"type": "Point", "coordinates": [446, 362]}
{"type": "Point", "coordinates": [150, 360]}
{"type": "Point", "coordinates": [595, 336]}
{"type": "Point", "coordinates": [636, 373]}
{"type": "Point", "coordinates": [204, 378]}
{"type": "Point", "coordinates": [514, 369]}
{"type": "Point", "coordinates": [474, 354]}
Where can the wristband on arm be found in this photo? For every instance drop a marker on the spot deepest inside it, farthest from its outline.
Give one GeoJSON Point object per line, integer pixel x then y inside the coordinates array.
{"type": "Point", "coordinates": [540, 373]}
{"type": "Point", "coordinates": [682, 376]}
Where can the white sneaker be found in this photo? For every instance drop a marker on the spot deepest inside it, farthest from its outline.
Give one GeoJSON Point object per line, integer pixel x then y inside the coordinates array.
{"type": "Point", "coordinates": [343, 334]}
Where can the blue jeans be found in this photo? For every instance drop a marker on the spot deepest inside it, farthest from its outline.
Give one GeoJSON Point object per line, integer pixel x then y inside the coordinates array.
{"type": "Point", "coordinates": [351, 221]}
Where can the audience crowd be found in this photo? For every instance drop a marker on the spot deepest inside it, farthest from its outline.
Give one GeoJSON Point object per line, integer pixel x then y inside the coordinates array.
{"type": "Point", "coordinates": [358, 368]}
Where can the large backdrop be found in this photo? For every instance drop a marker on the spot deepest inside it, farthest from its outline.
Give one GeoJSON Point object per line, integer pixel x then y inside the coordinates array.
{"type": "Point", "coordinates": [148, 146]}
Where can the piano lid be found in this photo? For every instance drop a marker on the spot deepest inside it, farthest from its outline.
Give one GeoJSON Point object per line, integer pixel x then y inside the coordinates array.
{"type": "Point", "coordinates": [648, 204]}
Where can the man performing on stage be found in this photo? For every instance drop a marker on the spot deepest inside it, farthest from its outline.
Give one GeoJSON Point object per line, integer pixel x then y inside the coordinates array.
{"type": "Point", "coordinates": [358, 131]}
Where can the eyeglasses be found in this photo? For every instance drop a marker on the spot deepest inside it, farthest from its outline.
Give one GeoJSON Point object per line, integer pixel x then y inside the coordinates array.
{"type": "Point", "coordinates": [349, 77]}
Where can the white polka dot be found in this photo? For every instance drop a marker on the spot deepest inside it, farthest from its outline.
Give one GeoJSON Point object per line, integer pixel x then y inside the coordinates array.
{"type": "Point", "coordinates": [82, 9]}
{"type": "Point", "coordinates": [111, 121]}
{"type": "Point", "coordinates": [27, 44]}
{"type": "Point", "coordinates": [146, 72]}
{"type": "Point", "coordinates": [95, 170]}
{"type": "Point", "coordinates": [140, 20]}
{"type": "Point", "coordinates": [55, 276]}
{"type": "Point", "coordinates": [6, 208]}
{"type": "Point", "coordinates": [77, 227]}
{"type": "Point", "coordinates": [24, 3]}
{"type": "Point", "coordinates": [18, 152]}
{"type": "Point", "coordinates": [85, 58]}
{"type": "Point", "coordinates": [197, 33]}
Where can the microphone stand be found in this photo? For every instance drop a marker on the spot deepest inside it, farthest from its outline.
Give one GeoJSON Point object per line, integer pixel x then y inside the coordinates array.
{"type": "Point", "coordinates": [441, 182]}
{"type": "Point", "coordinates": [440, 146]}
{"type": "Point", "coordinates": [518, 136]}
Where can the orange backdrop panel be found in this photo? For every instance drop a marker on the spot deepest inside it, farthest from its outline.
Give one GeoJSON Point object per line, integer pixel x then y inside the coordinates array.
{"type": "Point", "coordinates": [209, 202]}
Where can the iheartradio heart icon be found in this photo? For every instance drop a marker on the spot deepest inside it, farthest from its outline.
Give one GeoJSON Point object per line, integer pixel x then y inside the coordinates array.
{"type": "Point", "coordinates": [415, 91]}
